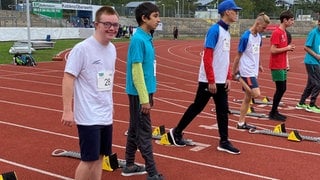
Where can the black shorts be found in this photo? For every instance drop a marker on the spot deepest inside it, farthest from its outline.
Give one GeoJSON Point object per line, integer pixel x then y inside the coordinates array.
{"type": "Point", "coordinates": [94, 141]}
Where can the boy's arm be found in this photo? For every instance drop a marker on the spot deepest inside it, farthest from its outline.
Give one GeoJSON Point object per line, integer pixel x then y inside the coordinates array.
{"type": "Point", "coordinates": [139, 83]}
{"type": "Point", "coordinates": [235, 67]}
{"type": "Point", "coordinates": [275, 50]}
{"type": "Point", "coordinates": [67, 97]}
{"type": "Point", "coordinates": [208, 61]}
{"type": "Point", "coordinates": [312, 53]}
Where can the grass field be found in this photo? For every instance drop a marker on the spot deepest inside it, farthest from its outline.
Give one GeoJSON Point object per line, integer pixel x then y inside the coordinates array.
{"type": "Point", "coordinates": [43, 54]}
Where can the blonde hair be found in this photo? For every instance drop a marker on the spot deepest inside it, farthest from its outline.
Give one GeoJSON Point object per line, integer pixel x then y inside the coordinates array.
{"type": "Point", "coordinates": [262, 17]}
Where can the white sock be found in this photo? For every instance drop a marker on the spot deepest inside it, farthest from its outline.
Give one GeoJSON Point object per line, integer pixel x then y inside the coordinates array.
{"type": "Point", "coordinates": [240, 123]}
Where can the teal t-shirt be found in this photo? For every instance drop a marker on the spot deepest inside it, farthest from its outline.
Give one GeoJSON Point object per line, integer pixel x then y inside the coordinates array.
{"type": "Point", "coordinates": [141, 50]}
{"type": "Point", "coordinates": [313, 42]}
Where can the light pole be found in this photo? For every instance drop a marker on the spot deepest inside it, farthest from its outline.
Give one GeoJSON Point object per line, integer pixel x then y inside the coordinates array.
{"type": "Point", "coordinates": [182, 8]}
{"type": "Point", "coordinates": [178, 11]}
{"type": "Point", "coordinates": [164, 10]}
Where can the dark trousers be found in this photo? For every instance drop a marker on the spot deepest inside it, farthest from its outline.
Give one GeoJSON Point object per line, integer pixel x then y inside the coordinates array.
{"type": "Point", "coordinates": [200, 101]}
{"type": "Point", "coordinates": [313, 84]}
{"type": "Point", "coordinates": [140, 135]}
{"type": "Point", "coordinates": [281, 87]}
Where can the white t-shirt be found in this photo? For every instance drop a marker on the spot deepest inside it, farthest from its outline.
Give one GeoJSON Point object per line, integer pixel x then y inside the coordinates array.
{"type": "Point", "coordinates": [221, 55]}
{"type": "Point", "coordinates": [249, 46]}
{"type": "Point", "coordinates": [93, 65]}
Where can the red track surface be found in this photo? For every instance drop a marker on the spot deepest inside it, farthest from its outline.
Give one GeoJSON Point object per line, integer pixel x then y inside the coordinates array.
{"type": "Point", "coordinates": [31, 107]}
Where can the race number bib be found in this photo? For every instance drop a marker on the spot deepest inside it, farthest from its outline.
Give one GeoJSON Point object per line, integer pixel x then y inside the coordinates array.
{"type": "Point", "coordinates": [226, 45]}
{"type": "Point", "coordinates": [255, 49]}
{"type": "Point", "coordinates": [105, 81]}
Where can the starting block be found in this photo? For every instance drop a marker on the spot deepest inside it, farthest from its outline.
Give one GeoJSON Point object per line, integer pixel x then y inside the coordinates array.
{"type": "Point", "coordinates": [110, 163]}
{"type": "Point", "coordinates": [164, 138]}
{"type": "Point", "coordinates": [8, 176]}
{"type": "Point", "coordinates": [158, 132]}
{"type": "Point", "coordinates": [250, 112]}
{"type": "Point", "coordinates": [280, 128]}
{"type": "Point", "coordinates": [265, 100]}
{"type": "Point", "coordinates": [280, 131]}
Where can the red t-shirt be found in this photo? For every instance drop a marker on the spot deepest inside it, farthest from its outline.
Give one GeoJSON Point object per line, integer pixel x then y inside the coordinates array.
{"type": "Point", "coordinates": [279, 39]}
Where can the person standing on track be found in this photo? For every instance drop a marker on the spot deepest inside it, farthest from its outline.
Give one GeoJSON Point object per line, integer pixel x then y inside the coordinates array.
{"type": "Point", "coordinates": [140, 87]}
{"type": "Point", "coordinates": [88, 79]}
{"type": "Point", "coordinates": [312, 63]}
{"type": "Point", "coordinates": [247, 64]}
{"type": "Point", "coordinates": [214, 78]}
{"type": "Point", "coordinates": [278, 62]}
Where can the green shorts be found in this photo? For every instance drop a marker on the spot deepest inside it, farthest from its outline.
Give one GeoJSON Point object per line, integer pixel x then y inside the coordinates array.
{"type": "Point", "coordinates": [279, 74]}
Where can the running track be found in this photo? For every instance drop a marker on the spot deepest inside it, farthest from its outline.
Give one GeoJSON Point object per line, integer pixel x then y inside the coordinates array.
{"type": "Point", "coordinates": [31, 107]}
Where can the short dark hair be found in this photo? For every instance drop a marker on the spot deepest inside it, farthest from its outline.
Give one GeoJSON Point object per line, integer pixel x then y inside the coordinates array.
{"type": "Point", "coordinates": [145, 9]}
{"type": "Point", "coordinates": [105, 10]}
{"type": "Point", "coordinates": [287, 14]}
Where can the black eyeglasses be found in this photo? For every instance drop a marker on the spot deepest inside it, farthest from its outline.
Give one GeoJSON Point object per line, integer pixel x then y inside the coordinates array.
{"type": "Point", "coordinates": [109, 24]}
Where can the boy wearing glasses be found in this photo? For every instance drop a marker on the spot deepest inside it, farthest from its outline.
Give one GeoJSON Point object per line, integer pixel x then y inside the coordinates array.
{"type": "Point", "coordinates": [140, 87]}
{"type": "Point", "coordinates": [88, 79]}
{"type": "Point", "coordinates": [214, 78]}
{"type": "Point", "coordinates": [247, 64]}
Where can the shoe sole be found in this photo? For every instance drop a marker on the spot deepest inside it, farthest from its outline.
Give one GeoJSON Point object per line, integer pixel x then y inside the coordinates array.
{"type": "Point", "coordinates": [308, 110]}
{"type": "Point", "coordinates": [226, 150]}
{"type": "Point", "coordinates": [134, 174]}
{"type": "Point", "coordinates": [282, 120]}
{"type": "Point", "coordinates": [300, 108]}
{"type": "Point", "coordinates": [246, 128]}
{"type": "Point", "coordinates": [173, 140]}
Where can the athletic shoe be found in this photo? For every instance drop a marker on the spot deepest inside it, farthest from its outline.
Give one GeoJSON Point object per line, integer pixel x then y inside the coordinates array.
{"type": "Point", "coordinates": [301, 106]}
{"type": "Point", "coordinates": [277, 116]}
{"type": "Point", "coordinates": [227, 147]}
{"type": "Point", "coordinates": [155, 177]}
{"type": "Point", "coordinates": [313, 108]}
{"type": "Point", "coordinates": [176, 138]}
{"type": "Point", "coordinates": [133, 170]}
{"type": "Point", "coordinates": [245, 126]}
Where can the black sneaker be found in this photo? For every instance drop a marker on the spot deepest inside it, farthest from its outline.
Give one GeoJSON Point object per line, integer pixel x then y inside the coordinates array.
{"type": "Point", "coordinates": [227, 147]}
{"type": "Point", "coordinates": [245, 126]}
{"type": "Point", "coordinates": [277, 116]}
{"type": "Point", "coordinates": [155, 177]}
{"type": "Point", "coordinates": [283, 116]}
{"type": "Point", "coordinates": [176, 138]}
{"type": "Point", "coordinates": [133, 170]}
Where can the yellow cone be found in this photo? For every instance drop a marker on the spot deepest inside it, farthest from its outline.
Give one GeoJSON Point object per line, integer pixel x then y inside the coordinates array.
{"type": "Point", "coordinates": [265, 99]}
{"type": "Point", "coordinates": [158, 131]}
{"type": "Point", "coordinates": [110, 163]}
{"type": "Point", "coordinates": [164, 140]}
{"type": "Point", "coordinates": [249, 110]}
{"type": "Point", "coordinates": [106, 164]}
{"type": "Point", "coordinates": [294, 136]}
{"type": "Point", "coordinates": [8, 176]}
{"type": "Point", "coordinates": [280, 128]}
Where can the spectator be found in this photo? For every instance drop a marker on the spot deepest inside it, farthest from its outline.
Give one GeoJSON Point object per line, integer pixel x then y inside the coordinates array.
{"type": "Point", "coordinates": [175, 33]}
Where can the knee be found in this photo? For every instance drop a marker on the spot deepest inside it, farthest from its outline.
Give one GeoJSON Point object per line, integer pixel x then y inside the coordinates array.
{"type": "Point", "coordinates": [256, 94]}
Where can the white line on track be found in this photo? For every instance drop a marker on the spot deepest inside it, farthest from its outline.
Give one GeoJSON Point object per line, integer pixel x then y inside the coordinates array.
{"type": "Point", "coordinates": [35, 169]}
{"type": "Point", "coordinates": [122, 147]}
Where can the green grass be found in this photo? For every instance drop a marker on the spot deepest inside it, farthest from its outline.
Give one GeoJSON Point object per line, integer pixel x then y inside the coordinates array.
{"type": "Point", "coordinates": [43, 54]}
